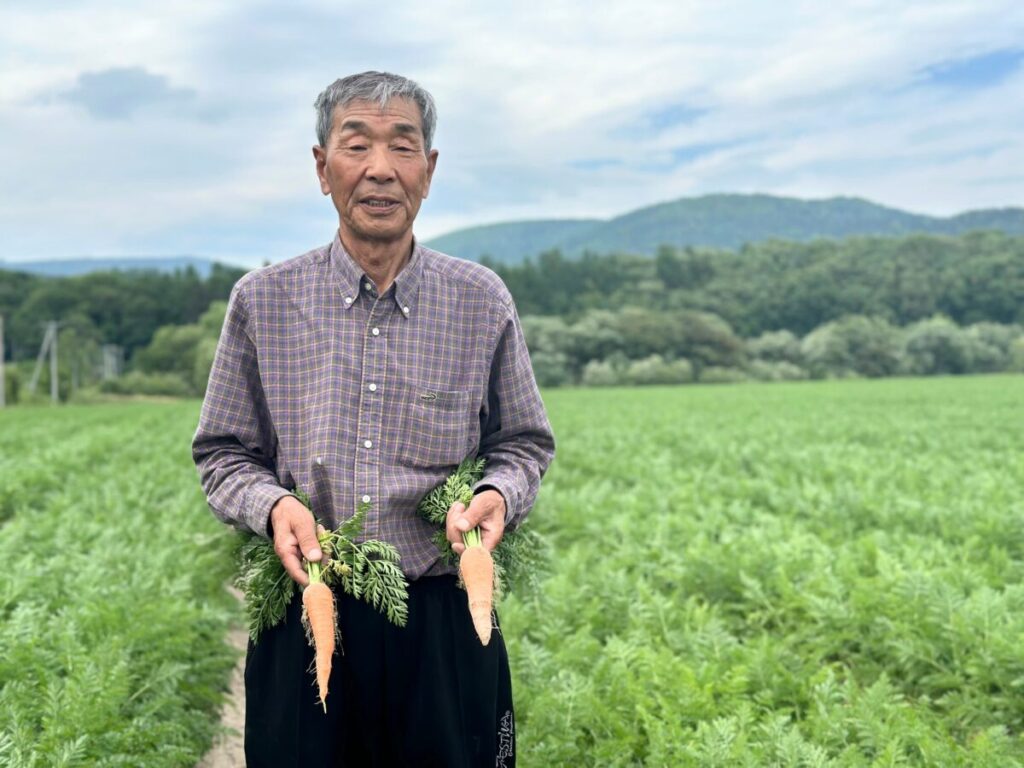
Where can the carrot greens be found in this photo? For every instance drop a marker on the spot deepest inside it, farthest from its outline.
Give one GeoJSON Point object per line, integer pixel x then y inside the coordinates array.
{"type": "Point", "coordinates": [367, 570]}
{"type": "Point", "coordinates": [520, 555]}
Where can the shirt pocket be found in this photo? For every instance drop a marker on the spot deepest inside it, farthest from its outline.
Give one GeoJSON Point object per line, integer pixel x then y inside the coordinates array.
{"type": "Point", "coordinates": [436, 426]}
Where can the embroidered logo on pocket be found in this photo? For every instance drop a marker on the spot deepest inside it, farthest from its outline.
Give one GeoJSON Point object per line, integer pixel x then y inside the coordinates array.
{"type": "Point", "coordinates": [428, 396]}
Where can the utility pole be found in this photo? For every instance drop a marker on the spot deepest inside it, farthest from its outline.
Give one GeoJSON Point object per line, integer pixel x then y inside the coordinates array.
{"type": "Point", "coordinates": [3, 382]}
{"type": "Point", "coordinates": [49, 344]}
{"type": "Point", "coordinates": [53, 363]}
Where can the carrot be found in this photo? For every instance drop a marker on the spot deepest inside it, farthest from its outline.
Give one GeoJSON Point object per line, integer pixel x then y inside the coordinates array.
{"type": "Point", "coordinates": [476, 566]}
{"type": "Point", "coordinates": [318, 617]}
{"type": "Point", "coordinates": [483, 574]}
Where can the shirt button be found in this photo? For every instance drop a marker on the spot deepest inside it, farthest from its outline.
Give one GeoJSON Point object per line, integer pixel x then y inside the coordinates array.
{"type": "Point", "coordinates": [366, 499]}
{"type": "Point", "coordinates": [368, 444]}
{"type": "Point", "coordinates": [367, 286]}
{"type": "Point", "coordinates": [319, 460]}
{"type": "Point", "coordinates": [375, 331]}
{"type": "Point", "coordinates": [372, 387]}
{"type": "Point", "coordinates": [405, 310]}
{"type": "Point", "coordinates": [348, 299]}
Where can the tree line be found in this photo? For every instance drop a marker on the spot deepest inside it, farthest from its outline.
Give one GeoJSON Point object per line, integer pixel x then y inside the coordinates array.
{"type": "Point", "coordinates": [126, 309]}
{"type": "Point", "coordinates": [115, 307]}
{"type": "Point", "coordinates": [777, 285]}
{"type": "Point", "coordinates": [865, 306]}
{"type": "Point", "coordinates": [637, 345]}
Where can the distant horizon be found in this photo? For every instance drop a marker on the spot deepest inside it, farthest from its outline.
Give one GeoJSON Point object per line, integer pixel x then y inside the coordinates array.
{"type": "Point", "coordinates": [259, 260]}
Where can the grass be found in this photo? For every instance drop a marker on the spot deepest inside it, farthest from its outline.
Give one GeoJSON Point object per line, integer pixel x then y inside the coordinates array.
{"type": "Point", "coordinates": [808, 574]}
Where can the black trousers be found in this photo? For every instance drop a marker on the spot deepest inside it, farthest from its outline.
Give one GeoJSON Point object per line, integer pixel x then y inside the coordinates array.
{"type": "Point", "coordinates": [427, 694]}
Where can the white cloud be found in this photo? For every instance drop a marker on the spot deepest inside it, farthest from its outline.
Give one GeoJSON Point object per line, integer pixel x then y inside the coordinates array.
{"type": "Point", "coordinates": [565, 111]}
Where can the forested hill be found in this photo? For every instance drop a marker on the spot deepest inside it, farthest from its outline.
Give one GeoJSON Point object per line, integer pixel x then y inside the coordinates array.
{"type": "Point", "coordinates": [720, 221]}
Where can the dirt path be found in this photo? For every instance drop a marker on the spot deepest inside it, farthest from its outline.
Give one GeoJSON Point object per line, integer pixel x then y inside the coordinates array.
{"type": "Point", "coordinates": [227, 750]}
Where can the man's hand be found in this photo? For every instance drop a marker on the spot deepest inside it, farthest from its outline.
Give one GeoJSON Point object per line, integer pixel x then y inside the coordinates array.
{"type": "Point", "coordinates": [487, 510]}
{"type": "Point", "coordinates": [294, 536]}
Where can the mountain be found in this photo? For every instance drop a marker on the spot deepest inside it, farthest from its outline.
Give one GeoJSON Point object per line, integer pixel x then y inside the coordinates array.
{"type": "Point", "coordinates": [723, 221]}
{"type": "Point", "coordinates": [512, 240]}
{"type": "Point", "coordinates": [68, 267]}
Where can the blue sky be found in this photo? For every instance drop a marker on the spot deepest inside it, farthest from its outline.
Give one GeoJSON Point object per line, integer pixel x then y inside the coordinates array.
{"type": "Point", "coordinates": [133, 128]}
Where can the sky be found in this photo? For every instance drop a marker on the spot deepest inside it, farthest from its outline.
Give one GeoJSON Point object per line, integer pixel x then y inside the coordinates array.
{"type": "Point", "coordinates": [135, 128]}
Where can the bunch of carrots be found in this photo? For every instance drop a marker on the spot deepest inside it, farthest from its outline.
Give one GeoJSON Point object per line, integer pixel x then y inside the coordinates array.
{"type": "Point", "coordinates": [369, 571]}
{"type": "Point", "coordinates": [517, 558]}
{"type": "Point", "coordinates": [366, 570]}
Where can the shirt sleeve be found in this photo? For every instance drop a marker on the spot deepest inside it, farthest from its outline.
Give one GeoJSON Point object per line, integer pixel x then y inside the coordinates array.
{"type": "Point", "coordinates": [516, 439]}
{"type": "Point", "coordinates": [234, 447]}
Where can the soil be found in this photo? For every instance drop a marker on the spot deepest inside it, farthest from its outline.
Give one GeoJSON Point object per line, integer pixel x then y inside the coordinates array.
{"type": "Point", "coordinates": [227, 751]}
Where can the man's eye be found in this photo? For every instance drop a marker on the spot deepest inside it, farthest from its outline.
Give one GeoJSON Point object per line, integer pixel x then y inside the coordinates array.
{"type": "Point", "coordinates": [356, 148]}
{"type": "Point", "coordinates": [403, 149]}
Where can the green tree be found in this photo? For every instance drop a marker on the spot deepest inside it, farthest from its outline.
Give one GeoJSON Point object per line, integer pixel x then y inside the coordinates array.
{"type": "Point", "coordinates": [776, 347]}
{"type": "Point", "coordinates": [936, 346]}
{"type": "Point", "coordinates": [853, 345]}
{"type": "Point", "coordinates": [173, 350]}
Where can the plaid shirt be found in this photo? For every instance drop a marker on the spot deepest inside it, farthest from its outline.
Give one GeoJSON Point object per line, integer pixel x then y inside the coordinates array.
{"type": "Point", "coordinates": [321, 384]}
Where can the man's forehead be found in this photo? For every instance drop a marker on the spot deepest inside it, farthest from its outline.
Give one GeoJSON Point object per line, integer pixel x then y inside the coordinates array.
{"type": "Point", "coordinates": [397, 111]}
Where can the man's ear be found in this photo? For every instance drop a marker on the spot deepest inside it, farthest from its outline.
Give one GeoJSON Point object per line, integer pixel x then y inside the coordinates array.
{"type": "Point", "coordinates": [431, 165]}
{"type": "Point", "coordinates": [320, 155]}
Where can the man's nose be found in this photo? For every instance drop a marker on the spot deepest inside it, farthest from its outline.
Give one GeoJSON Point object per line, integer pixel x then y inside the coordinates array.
{"type": "Point", "coordinates": [379, 168]}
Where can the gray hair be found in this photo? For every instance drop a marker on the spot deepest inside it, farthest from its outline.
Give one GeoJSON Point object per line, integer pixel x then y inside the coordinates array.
{"type": "Point", "coordinates": [379, 87]}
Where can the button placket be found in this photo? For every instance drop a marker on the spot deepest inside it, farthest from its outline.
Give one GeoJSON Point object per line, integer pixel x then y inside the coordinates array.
{"type": "Point", "coordinates": [367, 462]}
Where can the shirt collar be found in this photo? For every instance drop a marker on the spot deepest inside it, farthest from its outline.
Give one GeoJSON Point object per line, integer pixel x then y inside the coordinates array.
{"type": "Point", "coordinates": [351, 276]}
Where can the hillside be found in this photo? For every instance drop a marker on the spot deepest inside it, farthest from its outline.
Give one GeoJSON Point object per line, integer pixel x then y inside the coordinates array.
{"type": "Point", "coordinates": [722, 221]}
{"type": "Point", "coordinates": [509, 241]}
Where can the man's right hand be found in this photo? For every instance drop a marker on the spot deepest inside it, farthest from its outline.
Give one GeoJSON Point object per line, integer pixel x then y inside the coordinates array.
{"type": "Point", "coordinates": [294, 536]}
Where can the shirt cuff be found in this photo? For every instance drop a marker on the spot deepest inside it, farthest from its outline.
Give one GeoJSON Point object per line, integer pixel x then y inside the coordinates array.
{"type": "Point", "coordinates": [260, 499]}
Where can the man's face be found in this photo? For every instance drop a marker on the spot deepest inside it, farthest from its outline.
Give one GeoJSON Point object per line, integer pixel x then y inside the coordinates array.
{"type": "Point", "coordinates": [375, 170]}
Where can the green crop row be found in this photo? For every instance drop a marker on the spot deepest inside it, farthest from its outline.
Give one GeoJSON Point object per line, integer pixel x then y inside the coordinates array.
{"type": "Point", "coordinates": [814, 574]}
{"type": "Point", "coordinates": [112, 603]}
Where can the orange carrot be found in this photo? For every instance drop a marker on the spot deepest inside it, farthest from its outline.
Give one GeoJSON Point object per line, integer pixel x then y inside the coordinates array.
{"type": "Point", "coordinates": [476, 566]}
{"type": "Point", "coordinates": [318, 616]}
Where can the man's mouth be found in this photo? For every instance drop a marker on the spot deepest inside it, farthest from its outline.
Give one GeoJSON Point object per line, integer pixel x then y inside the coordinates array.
{"type": "Point", "coordinates": [379, 204]}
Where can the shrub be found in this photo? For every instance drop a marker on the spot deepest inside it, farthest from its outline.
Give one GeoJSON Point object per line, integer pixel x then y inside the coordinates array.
{"type": "Point", "coordinates": [776, 347]}
{"type": "Point", "coordinates": [935, 346]}
{"type": "Point", "coordinates": [777, 371]}
{"type": "Point", "coordinates": [989, 346]}
{"type": "Point", "coordinates": [717, 375]}
{"type": "Point", "coordinates": [657, 370]}
{"type": "Point", "coordinates": [551, 368]}
{"type": "Point", "coordinates": [854, 345]}
{"type": "Point", "coordinates": [11, 384]}
{"type": "Point", "coordinates": [204, 363]}
{"type": "Point", "coordinates": [138, 383]}
{"type": "Point", "coordinates": [1016, 358]}
{"type": "Point", "coordinates": [600, 373]}
{"type": "Point", "coordinates": [173, 349]}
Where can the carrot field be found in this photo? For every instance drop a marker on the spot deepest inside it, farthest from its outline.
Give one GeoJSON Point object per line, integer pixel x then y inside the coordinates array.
{"type": "Point", "coordinates": [806, 574]}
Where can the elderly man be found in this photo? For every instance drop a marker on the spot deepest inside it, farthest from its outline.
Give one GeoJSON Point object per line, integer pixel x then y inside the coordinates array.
{"type": "Point", "coordinates": [364, 371]}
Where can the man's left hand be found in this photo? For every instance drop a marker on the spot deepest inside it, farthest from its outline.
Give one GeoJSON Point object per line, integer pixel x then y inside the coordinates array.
{"type": "Point", "coordinates": [487, 510]}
